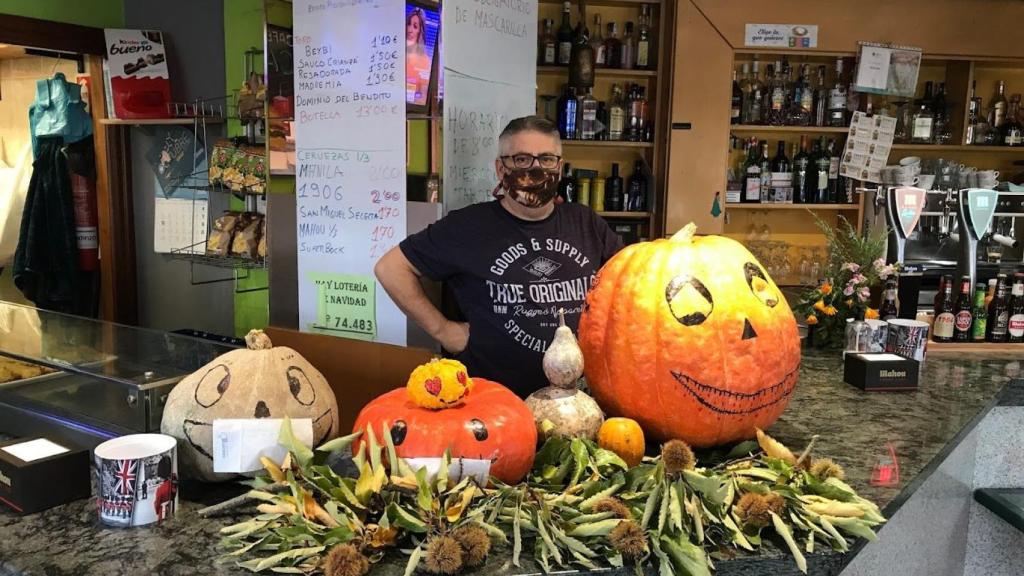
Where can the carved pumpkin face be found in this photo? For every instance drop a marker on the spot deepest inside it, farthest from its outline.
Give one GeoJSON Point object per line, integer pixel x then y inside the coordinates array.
{"type": "Point", "coordinates": [491, 424]}
{"type": "Point", "coordinates": [691, 338]}
{"type": "Point", "coordinates": [258, 382]}
{"type": "Point", "coordinates": [439, 384]}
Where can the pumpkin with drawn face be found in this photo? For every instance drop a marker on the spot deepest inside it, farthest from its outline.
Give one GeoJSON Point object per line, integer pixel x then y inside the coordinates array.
{"type": "Point", "coordinates": [490, 423]}
{"type": "Point", "coordinates": [260, 381]}
{"type": "Point", "coordinates": [690, 337]}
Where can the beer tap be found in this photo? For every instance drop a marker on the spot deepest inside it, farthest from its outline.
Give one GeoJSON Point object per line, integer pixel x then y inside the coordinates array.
{"type": "Point", "coordinates": [975, 211]}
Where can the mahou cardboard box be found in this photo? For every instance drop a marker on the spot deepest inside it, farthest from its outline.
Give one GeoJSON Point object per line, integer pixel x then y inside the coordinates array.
{"type": "Point", "coordinates": [139, 85]}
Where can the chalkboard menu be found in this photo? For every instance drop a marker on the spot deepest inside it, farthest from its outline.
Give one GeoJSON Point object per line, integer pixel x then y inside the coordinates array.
{"type": "Point", "coordinates": [350, 162]}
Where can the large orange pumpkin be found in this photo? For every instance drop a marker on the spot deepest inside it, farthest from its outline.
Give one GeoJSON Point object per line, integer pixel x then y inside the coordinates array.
{"type": "Point", "coordinates": [492, 424]}
{"type": "Point", "coordinates": [691, 338]}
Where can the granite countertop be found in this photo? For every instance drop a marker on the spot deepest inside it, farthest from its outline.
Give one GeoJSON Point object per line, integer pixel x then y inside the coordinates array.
{"type": "Point", "coordinates": [862, 431]}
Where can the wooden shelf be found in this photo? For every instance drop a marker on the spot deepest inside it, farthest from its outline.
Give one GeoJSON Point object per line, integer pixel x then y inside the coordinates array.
{"type": "Point", "coordinates": [605, 144]}
{"type": "Point", "coordinates": [800, 129]}
{"type": "Point", "coordinates": [625, 215]}
{"type": "Point", "coordinates": [599, 72]}
{"type": "Point", "coordinates": [793, 52]}
{"type": "Point", "coordinates": [767, 206]}
{"type": "Point", "coordinates": [158, 121]}
{"type": "Point", "coordinates": [959, 348]}
{"type": "Point", "coordinates": [960, 148]}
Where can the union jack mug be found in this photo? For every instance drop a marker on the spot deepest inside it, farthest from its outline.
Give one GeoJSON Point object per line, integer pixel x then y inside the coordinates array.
{"type": "Point", "coordinates": [136, 479]}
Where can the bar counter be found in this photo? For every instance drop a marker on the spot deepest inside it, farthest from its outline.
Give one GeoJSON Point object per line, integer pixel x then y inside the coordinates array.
{"type": "Point", "coordinates": [891, 444]}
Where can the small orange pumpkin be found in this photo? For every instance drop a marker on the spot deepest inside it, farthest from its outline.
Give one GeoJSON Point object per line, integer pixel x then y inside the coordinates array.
{"type": "Point", "coordinates": [691, 338]}
{"type": "Point", "coordinates": [624, 437]}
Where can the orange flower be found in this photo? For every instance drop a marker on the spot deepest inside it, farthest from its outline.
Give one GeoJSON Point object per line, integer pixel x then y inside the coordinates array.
{"type": "Point", "coordinates": [830, 310]}
{"type": "Point", "coordinates": [871, 314]}
{"type": "Point", "coordinates": [819, 305]}
{"type": "Point", "coordinates": [826, 288]}
{"type": "Point", "coordinates": [811, 320]}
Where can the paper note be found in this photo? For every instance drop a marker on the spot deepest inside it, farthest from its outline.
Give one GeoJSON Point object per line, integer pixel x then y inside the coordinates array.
{"type": "Point", "coordinates": [867, 146]}
{"type": "Point", "coordinates": [781, 35]}
{"type": "Point", "coordinates": [887, 69]}
{"type": "Point", "coordinates": [458, 469]}
{"type": "Point", "coordinates": [345, 305]}
{"type": "Point", "coordinates": [873, 67]}
{"type": "Point", "coordinates": [239, 443]}
{"type": "Point", "coordinates": [34, 450]}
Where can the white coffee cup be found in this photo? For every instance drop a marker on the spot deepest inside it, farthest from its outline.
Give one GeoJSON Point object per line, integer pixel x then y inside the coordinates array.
{"type": "Point", "coordinates": [925, 181]}
{"type": "Point", "coordinates": [910, 160]}
{"type": "Point", "coordinates": [987, 174]}
{"type": "Point", "coordinates": [907, 180]}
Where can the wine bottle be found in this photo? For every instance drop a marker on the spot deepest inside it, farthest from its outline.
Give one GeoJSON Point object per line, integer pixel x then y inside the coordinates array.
{"type": "Point", "coordinates": [782, 175]}
{"type": "Point", "coordinates": [565, 36]}
{"type": "Point", "coordinates": [752, 174]}
{"type": "Point", "coordinates": [836, 193]}
{"type": "Point", "coordinates": [821, 165]}
{"type": "Point", "coordinates": [737, 100]}
{"type": "Point", "coordinates": [837, 99]}
{"type": "Point", "coordinates": [801, 162]}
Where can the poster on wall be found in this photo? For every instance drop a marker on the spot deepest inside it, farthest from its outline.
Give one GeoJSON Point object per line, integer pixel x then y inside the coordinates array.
{"type": "Point", "coordinates": [480, 97]}
{"type": "Point", "coordinates": [350, 163]}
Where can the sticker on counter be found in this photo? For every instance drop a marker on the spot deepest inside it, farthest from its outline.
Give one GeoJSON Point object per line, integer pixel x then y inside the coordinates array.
{"type": "Point", "coordinates": [781, 35]}
{"type": "Point", "coordinates": [346, 305]}
{"type": "Point", "coordinates": [34, 450]}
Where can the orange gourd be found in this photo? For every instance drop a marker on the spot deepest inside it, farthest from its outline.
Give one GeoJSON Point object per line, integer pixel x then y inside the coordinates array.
{"type": "Point", "coordinates": [624, 437]}
{"type": "Point", "coordinates": [439, 384]}
{"type": "Point", "coordinates": [491, 423]}
{"type": "Point", "coordinates": [690, 337]}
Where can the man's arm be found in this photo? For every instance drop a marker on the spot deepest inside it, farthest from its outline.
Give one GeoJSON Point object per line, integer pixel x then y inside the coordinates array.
{"type": "Point", "coordinates": [401, 280]}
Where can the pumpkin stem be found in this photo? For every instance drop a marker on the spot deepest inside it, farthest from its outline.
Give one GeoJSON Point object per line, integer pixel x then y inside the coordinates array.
{"type": "Point", "coordinates": [258, 340]}
{"type": "Point", "coordinates": [561, 317]}
{"type": "Point", "coordinates": [686, 233]}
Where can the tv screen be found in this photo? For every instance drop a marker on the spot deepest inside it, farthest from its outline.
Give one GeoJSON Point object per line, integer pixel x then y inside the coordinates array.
{"type": "Point", "coordinates": [421, 34]}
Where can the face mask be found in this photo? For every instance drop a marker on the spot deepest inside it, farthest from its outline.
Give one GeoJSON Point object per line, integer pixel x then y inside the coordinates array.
{"type": "Point", "coordinates": [531, 187]}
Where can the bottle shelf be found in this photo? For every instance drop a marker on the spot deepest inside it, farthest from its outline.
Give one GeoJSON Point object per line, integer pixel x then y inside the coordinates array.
{"type": "Point", "coordinates": [798, 129]}
{"type": "Point", "coordinates": [625, 215]}
{"type": "Point", "coordinates": [600, 72]}
{"type": "Point", "coordinates": [605, 144]}
{"type": "Point", "coordinates": [960, 148]}
{"type": "Point", "coordinates": [769, 206]}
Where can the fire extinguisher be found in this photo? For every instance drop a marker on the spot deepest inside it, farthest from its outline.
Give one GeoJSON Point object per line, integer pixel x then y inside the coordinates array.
{"type": "Point", "coordinates": [83, 190]}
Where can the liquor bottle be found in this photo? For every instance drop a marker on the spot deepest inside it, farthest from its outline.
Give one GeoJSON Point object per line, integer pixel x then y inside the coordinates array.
{"type": "Point", "coordinates": [567, 114]}
{"type": "Point", "coordinates": [819, 166]}
{"type": "Point", "coordinates": [801, 161]}
{"type": "Point", "coordinates": [998, 314]}
{"type": "Point", "coordinates": [614, 199]}
{"type": "Point", "coordinates": [616, 114]}
{"type": "Point", "coordinates": [735, 115]}
{"type": "Point", "coordinates": [1012, 132]}
{"type": "Point", "coordinates": [991, 294]}
{"type": "Point", "coordinates": [979, 314]}
{"type": "Point", "coordinates": [923, 120]}
{"type": "Point", "coordinates": [567, 184]}
{"type": "Point", "coordinates": [643, 39]}
{"type": "Point", "coordinates": [782, 175]}
{"type": "Point", "coordinates": [940, 296]}
{"type": "Point", "coordinates": [942, 331]}
{"type": "Point", "coordinates": [997, 113]}
{"type": "Point", "coordinates": [597, 43]}
{"type": "Point", "coordinates": [821, 99]}
{"type": "Point", "coordinates": [565, 36]}
{"type": "Point", "coordinates": [962, 323]}
{"type": "Point", "coordinates": [754, 100]}
{"type": "Point", "coordinates": [803, 103]}
{"type": "Point", "coordinates": [890, 308]}
{"type": "Point", "coordinates": [766, 174]}
{"type": "Point", "coordinates": [835, 182]}
{"type": "Point", "coordinates": [612, 48]}
{"type": "Point", "coordinates": [547, 45]}
{"type": "Point", "coordinates": [837, 98]}
{"type": "Point", "coordinates": [637, 195]}
{"type": "Point", "coordinates": [627, 58]}
{"type": "Point", "coordinates": [1015, 327]}
{"type": "Point", "coordinates": [940, 110]}
{"type": "Point", "coordinates": [752, 174]}
{"type": "Point", "coordinates": [588, 116]}
{"type": "Point", "coordinates": [775, 111]}
{"type": "Point", "coordinates": [973, 110]}
{"type": "Point", "coordinates": [637, 115]}
{"type": "Point", "coordinates": [581, 58]}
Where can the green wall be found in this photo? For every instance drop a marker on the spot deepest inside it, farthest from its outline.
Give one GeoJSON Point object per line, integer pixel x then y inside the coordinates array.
{"type": "Point", "coordinates": [98, 13]}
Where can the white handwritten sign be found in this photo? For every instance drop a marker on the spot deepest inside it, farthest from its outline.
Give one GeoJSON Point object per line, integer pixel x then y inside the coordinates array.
{"type": "Point", "coordinates": [485, 87]}
{"type": "Point", "coordinates": [781, 35]}
{"type": "Point", "coordinates": [350, 149]}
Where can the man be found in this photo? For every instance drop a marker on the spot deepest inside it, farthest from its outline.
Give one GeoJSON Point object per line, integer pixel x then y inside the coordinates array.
{"type": "Point", "coordinates": [511, 263]}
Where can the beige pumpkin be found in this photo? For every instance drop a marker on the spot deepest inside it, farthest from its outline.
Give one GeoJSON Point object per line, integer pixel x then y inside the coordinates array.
{"type": "Point", "coordinates": [573, 413]}
{"type": "Point", "coordinates": [260, 381]}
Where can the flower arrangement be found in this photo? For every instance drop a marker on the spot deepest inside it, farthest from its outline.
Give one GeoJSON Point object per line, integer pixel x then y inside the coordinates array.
{"type": "Point", "coordinates": [856, 265]}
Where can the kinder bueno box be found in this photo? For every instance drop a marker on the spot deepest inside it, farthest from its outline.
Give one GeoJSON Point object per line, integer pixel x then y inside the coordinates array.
{"type": "Point", "coordinates": [139, 83]}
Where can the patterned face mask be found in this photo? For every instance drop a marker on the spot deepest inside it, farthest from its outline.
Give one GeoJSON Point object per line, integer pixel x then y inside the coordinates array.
{"type": "Point", "coordinates": [531, 187]}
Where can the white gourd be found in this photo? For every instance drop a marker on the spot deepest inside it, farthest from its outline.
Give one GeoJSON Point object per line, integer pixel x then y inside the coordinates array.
{"type": "Point", "coordinates": [563, 360]}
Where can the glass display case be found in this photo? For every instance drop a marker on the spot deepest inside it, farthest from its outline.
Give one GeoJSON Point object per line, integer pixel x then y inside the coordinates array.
{"type": "Point", "coordinates": [107, 379]}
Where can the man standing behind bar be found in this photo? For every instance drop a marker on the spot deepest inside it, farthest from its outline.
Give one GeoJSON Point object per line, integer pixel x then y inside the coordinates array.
{"type": "Point", "coordinates": [512, 263]}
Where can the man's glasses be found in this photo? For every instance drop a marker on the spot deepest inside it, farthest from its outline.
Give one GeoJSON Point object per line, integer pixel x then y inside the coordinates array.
{"type": "Point", "coordinates": [545, 161]}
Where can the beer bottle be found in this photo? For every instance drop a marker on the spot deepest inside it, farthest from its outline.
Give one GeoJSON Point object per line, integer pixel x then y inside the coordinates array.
{"type": "Point", "coordinates": [979, 313]}
{"type": "Point", "coordinates": [1016, 323]}
{"type": "Point", "coordinates": [991, 293]}
{"type": "Point", "coordinates": [944, 322]}
{"type": "Point", "coordinates": [998, 314]}
{"type": "Point", "coordinates": [962, 328]}
{"type": "Point", "coordinates": [943, 281]}
{"type": "Point", "coordinates": [889, 309]}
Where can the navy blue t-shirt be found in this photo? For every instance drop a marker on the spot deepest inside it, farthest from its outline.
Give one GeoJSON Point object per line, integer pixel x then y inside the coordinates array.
{"type": "Point", "coordinates": [510, 278]}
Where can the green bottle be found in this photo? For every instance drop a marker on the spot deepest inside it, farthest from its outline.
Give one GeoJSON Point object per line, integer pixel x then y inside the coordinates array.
{"type": "Point", "coordinates": [980, 314]}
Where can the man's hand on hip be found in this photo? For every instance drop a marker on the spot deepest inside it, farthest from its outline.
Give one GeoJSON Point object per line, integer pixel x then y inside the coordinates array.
{"type": "Point", "coordinates": [454, 336]}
